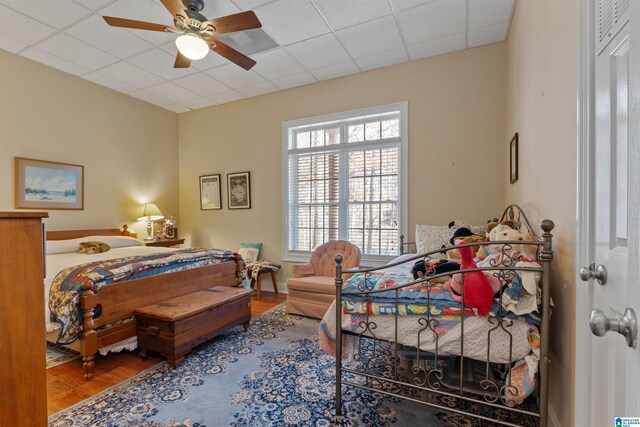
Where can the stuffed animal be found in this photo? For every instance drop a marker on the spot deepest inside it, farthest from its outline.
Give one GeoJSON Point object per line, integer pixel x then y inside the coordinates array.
{"type": "Point", "coordinates": [477, 290]}
{"type": "Point", "coordinates": [93, 247]}
{"type": "Point", "coordinates": [492, 223]}
{"type": "Point", "coordinates": [431, 268]}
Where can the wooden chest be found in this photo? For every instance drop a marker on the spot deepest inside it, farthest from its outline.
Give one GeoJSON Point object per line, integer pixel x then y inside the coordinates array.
{"type": "Point", "coordinates": [174, 327]}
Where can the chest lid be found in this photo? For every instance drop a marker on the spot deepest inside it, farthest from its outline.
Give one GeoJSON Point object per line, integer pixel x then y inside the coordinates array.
{"type": "Point", "coordinates": [191, 304]}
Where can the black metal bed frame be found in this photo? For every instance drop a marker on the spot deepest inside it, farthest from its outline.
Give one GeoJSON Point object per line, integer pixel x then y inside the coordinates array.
{"type": "Point", "coordinates": [497, 394]}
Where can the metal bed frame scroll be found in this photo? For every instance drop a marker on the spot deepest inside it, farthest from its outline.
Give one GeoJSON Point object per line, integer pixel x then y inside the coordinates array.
{"type": "Point", "coordinates": [429, 378]}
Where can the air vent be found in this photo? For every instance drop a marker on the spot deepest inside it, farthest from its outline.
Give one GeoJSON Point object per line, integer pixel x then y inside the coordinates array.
{"type": "Point", "coordinates": [605, 18]}
{"type": "Point", "coordinates": [249, 42]}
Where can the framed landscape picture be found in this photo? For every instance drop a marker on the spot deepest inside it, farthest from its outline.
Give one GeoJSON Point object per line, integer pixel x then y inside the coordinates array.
{"type": "Point", "coordinates": [239, 190]}
{"type": "Point", "coordinates": [210, 192]}
{"type": "Point", "coordinates": [40, 184]}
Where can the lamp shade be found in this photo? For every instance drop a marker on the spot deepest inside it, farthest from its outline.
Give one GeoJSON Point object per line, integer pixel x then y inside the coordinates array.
{"type": "Point", "coordinates": [191, 46]}
{"type": "Point", "coordinates": [150, 212]}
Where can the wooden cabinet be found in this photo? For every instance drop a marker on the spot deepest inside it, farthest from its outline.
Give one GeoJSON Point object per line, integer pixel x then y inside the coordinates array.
{"type": "Point", "coordinates": [23, 388]}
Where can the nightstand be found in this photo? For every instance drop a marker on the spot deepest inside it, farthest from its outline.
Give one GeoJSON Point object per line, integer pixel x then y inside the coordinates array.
{"type": "Point", "coordinates": [166, 243]}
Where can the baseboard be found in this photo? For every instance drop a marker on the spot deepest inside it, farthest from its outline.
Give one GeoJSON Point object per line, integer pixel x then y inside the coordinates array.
{"type": "Point", "coordinates": [552, 418]}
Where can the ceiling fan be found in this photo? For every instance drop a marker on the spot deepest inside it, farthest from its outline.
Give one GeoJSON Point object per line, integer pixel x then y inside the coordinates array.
{"type": "Point", "coordinates": [197, 31]}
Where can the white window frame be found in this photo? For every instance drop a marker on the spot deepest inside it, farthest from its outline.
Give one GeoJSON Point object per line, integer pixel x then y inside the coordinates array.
{"type": "Point", "coordinates": [403, 173]}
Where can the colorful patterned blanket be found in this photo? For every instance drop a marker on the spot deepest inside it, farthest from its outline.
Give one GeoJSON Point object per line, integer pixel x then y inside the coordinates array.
{"type": "Point", "coordinates": [68, 285]}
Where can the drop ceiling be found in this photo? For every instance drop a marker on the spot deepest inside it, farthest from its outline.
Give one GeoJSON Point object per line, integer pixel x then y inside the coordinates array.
{"type": "Point", "coordinates": [317, 40]}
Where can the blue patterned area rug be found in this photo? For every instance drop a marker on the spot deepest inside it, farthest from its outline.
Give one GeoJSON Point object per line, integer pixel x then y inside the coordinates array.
{"type": "Point", "coordinates": [273, 375]}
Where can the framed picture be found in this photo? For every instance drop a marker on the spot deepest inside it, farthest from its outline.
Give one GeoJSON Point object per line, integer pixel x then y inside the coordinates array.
{"type": "Point", "coordinates": [513, 159]}
{"type": "Point", "coordinates": [239, 190]}
{"type": "Point", "coordinates": [210, 192]}
{"type": "Point", "coordinates": [41, 184]}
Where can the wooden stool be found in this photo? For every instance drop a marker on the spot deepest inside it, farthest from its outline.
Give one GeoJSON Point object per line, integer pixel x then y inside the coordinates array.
{"type": "Point", "coordinates": [257, 279]}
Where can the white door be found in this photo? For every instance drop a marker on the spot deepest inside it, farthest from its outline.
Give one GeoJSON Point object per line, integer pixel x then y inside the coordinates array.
{"type": "Point", "coordinates": [609, 373]}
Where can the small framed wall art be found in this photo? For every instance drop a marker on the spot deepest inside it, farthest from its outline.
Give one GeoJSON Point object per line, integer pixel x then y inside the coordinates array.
{"type": "Point", "coordinates": [40, 184]}
{"type": "Point", "coordinates": [210, 192]}
{"type": "Point", "coordinates": [513, 159]}
{"type": "Point", "coordinates": [239, 190]}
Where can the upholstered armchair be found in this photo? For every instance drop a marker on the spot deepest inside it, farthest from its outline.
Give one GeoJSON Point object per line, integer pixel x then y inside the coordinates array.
{"type": "Point", "coordinates": [312, 288]}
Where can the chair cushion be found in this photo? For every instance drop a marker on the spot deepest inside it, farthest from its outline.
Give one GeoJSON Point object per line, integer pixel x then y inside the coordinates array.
{"type": "Point", "coordinates": [313, 284]}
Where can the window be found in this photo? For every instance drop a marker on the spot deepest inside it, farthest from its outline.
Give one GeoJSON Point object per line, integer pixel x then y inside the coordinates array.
{"type": "Point", "coordinates": [345, 179]}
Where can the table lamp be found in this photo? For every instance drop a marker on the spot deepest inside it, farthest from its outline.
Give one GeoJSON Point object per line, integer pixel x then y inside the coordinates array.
{"type": "Point", "coordinates": [150, 213]}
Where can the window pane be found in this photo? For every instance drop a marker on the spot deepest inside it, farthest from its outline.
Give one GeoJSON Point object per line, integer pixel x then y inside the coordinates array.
{"type": "Point", "coordinates": [356, 163]}
{"type": "Point", "coordinates": [389, 161]}
{"type": "Point", "coordinates": [304, 192]}
{"type": "Point", "coordinates": [388, 242]}
{"type": "Point", "coordinates": [391, 128]}
{"type": "Point", "coordinates": [372, 216]}
{"type": "Point", "coordinates": [317, 188]}
{"type": "Point", "coordinates": [303, 140]}
{"type": "Point", "coordinates": [317, 138]}
{"type": "Point", "coordinates": [372, 162]}
{"type": "Point", "coordinates": [372, 131]}
{"type": "Point", "coordinates": [302, 243]}
{"type": "Point", "coordinates": [303, 217]}
{"type": "Point", "coordinates": [303, 168]}
{"type": "Point", "coordinates": [356, 216]}
{"type": "Point", "coordinates": [389, 216]}
{"type": "Point", "coordinates": [372, 241]}
{"type": "Point", "coordinates": [389, 188]}
{"type": "Point", "coordinates": [332, 190]}
{"type": "Point", "coordinates": [356, 133]}
{"type": "Point", "coordinates": [356, 237]}
{"type": "Point", "coordinates": [372, 189]}
{"type": "Point", "coordinates": [332, 136]}
{"type": "Point", "coordinates": [356, 189]}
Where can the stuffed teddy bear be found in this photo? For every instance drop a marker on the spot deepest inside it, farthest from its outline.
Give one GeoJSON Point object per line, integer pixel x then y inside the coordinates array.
{"type": "Point", "coordinates": [477, 290]}
{"type": "Point", "coordinates": [91, 248]}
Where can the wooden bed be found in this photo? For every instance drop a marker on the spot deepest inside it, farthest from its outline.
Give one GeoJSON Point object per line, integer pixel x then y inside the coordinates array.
{"type": "Point", "coordinates": [118, 301]}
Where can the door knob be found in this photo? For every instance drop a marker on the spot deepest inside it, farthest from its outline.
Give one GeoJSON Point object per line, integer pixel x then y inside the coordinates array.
{"type": "Point", "coordinates": [598, 272]}
{"type": "Point", "coordinates": [626, 325]}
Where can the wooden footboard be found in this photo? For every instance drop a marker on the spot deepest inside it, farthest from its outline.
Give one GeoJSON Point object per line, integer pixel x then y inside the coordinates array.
{"type": "Point", "coordinates": [119, 301]}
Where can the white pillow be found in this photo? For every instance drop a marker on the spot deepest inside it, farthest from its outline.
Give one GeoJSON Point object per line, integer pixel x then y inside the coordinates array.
{"type": "Point", "coordinates": [431, 237]}
{"type": "Point", "coordinates": [72, 245]}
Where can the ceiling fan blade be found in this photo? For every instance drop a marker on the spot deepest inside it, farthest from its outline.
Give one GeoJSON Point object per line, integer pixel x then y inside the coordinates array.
{"type": "Point", "coordinates": [137, 25]}
{"type": "Point", "coordinates": [182, 61]}
{"type": "Point", "coordinates": [174, 8]}
{"type": "Point", "coordinates": [231, 54]}
{"type": "Point", "coordinates": [236, 22]}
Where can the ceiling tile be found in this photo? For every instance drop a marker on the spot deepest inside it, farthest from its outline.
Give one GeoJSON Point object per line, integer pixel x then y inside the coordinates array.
{"type": "Point", "coordinates": [276, 63]}
{"type": "Point", "coordinates": [291, 21]}
{"type": "Point", "coordinates": [340, 14]}
{"type": "Point", "coordinates": [151, 98]}
{"type": "Point", "coordinates": [433, 21]}
{"type": "Point", "coordinates": [58, 13]}
{"type": "Point", "coordinates": [250, 4]}
{"type": "Point", "coordinates": [221, 98]}
{"type": "Point", "coordinates": [318, 52]}
{"type": "Point", "coordinates": [399, 5]}
{"type": "Point", "coordinates": [218, 8]}
{"type": "Point", "coordinates": [53, 61]}
{"type": "Point", "coordinates": [159, 62]}
{"type": "Point", "coordinates": [371, 37]}
{"type": "Point", "coordinates": [177, 108]}
{"type": "Point", "coordinates": [103, 80]}
{"type": "Point", "coordinates": [11, 45]}
{"type": "Point", "coordinates": [382, 59]}
{"type": "Point", "coordinates": [116, 41]}
{"type": "Point", "coordinates": [493, 34]}
{"type": "Point", "coordinates": [172, 92]}
{"type": "Point", "coordinates": [130, 74]}
{"type": "Point", "coordinates": [202, 84]}
{"type": "Point", "coordinates": [484, 13]}
{"type": "Point", "coordinates": [335, 70]}
{"type": "Point", "coordinates": [76, 51]}
{"type": "Point", "coordinates": [234, 76]}
{"type": "Point", "coordinates": [438, 46]}
{"type": "Point", "coordinates": [143, 10]}
{"type": "Point", "coordinates": [21, 28]}
{"type": "Point", "coordinates": [196, 103]}
{"type": "Point", "coordinates": [94, 4]}
{"type": "Point", "coordinates": [258, 89]}
{"type": "Point", "coordinates": [300, 79]}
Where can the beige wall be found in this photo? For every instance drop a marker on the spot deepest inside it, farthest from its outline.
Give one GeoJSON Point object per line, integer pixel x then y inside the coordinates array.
{"type": "Point", "coordinates": [456, 145]}
{"type": "Point", "coordinates": [129, 148]}
{"type": "Point", "coordinates": [541, 107]}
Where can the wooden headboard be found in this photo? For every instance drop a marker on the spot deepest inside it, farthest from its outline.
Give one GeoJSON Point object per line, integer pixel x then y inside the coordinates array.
{"type": "Point", "coordinates": [75, 234]}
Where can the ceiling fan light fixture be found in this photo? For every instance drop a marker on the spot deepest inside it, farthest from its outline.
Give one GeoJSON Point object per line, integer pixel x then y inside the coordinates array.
{"type": "Point", "coordinates": [191, 46]}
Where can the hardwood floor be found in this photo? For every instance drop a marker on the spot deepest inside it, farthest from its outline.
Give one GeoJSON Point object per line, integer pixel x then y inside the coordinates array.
{"type": "Point", "coordinates": [66, 385]}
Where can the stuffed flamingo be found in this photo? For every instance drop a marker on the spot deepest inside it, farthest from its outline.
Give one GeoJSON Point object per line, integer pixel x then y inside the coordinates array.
{"type": "Point", "coordinates": [477, 290]}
